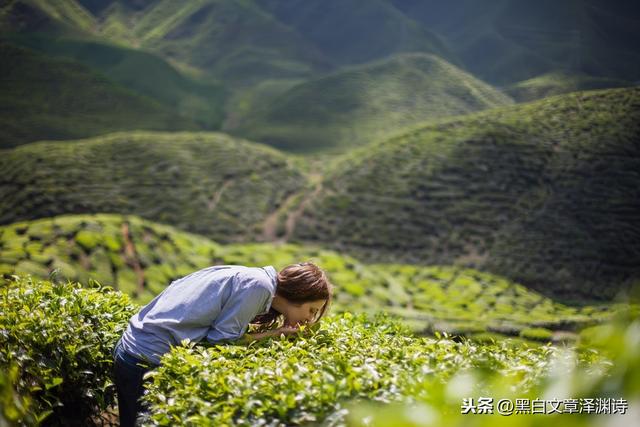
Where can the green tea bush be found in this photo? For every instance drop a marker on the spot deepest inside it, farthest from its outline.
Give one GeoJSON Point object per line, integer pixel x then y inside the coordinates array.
{"type": "Point", "coordinates": [539, 334]}
{"type": "Point", "coordinates": [60, 338]}
{"type": "Point", "coordinates": [603, 366]}
{"type": "Point", "coordinates": [310, 377]}
{"type": "Point", "coordinates": [14, 407]}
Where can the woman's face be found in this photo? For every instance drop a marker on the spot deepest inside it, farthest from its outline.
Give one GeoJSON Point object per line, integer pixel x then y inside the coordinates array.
{"type": "Point", "coordinates": [303, 313]}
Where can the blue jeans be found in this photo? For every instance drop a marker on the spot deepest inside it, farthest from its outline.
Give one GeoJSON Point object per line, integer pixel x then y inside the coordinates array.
{"type": "Point", "coordinates": [127, 374]}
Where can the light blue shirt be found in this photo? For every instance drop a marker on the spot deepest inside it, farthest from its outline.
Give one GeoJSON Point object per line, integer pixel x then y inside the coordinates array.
{"type": "Point", "coordinates": [215, 303]}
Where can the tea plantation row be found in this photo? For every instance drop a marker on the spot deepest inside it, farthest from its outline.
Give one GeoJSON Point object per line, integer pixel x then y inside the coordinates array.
{"type": "Point", "coordinates": [140, 258]}
{"type": "Point", "coordinates": [56, 366]}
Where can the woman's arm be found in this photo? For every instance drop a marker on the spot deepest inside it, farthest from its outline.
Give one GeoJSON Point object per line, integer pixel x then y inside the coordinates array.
{"type": "Point", "coordinates": [286, 330]}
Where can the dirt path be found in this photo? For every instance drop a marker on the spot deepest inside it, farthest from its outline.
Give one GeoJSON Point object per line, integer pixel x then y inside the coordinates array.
{"type": "Point", "coordinates": [131, 257]}
{"type": "Point", "coordinates": [293, 213]}
{"type": "Point", "coordinates": [270, 225]}
{"type": "Point", "coordinates": [216, 196]}
{"type": "Point", "coordinates": [293, 217]}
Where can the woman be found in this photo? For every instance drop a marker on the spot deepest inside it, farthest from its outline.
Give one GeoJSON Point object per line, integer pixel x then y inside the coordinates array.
{"type": "Point", "coordinates": [215, 304]}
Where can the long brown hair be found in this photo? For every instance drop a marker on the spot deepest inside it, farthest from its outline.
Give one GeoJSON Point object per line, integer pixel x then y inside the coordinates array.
{"type": "Point", "coordinates": [298, 283]}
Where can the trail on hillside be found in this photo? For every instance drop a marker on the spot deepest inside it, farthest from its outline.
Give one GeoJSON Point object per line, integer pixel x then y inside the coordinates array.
{"type": "Point", "coordinates": [270, 224]}
{"type": "Point", "coordinates": [292, 212]}
{"type": "Point", "coordinates": [215, 198]}
{"type": "Point", "coordinates": [132, 257]}
{"type": "Point", "coordinates": [293, 217]}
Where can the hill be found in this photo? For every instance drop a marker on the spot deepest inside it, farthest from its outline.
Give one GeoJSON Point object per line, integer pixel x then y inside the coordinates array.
{"type": "Point", "coordinates": [357, 105]}
{"type": "Point", "coordinates": [558, 83]}
{"type": "Point", "coordinates": [234, 41]}
{"type": "Point", "coordinates": [204, 182]}
{"type": "Point", "coordinates": [246, 41]}
{"type": "Point", "coordinates": [60, 18]}
{"type": "Point", "coordinates": [545, 193]}
{"type": "Point", "coordinates": [356, 31]}
{"type": "Point", "coordinates": [43, 97]}
{"type": "Point", "coordinates": [140, 258]}
{"type": "Point", "coordinates": [507, 41]}
{"type": "Point", "coordinates": [138, 71]}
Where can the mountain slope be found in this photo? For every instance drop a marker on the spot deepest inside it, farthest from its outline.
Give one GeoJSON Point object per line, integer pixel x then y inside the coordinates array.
{"type": "Point", "coordinates": [203, 182]}
{"type": "Point", "coordinates": [43, 97]}
{"type": "Point", "coordinates": [245, 41]}
{"type": "Point", "coordinates": [545, 193]}
{"type": "Point", "coordinates": [506, 41]}
{"type": "Point", "coordinates": [557, 83]}
{"type": "Point", "coordinates": [356, 31]}
{"type": "Point", "coordinates": [232, 40]}
{"type": "Point", "coordinates": [141, 72]}
{"type": "Point", "coordinates": [65, 17]}
{"type": "Point", "coordinates": [141, 258]}
{"type": "Point", "coordinates": [283, 38]}
{"type": "Point", "coordinates": [360, 104]}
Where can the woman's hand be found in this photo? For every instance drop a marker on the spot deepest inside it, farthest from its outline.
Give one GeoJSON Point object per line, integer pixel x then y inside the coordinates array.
{"type": "Point", "coordinates": [286, 330]}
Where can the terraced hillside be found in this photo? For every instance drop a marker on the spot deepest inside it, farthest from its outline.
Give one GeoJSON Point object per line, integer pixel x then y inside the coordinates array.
{"type": "Point", "coordinates": [247, 41]}
{"type": "Point", "coordinates": [44, 97]}
{"type": "Point", "coordinates": [546, 193]}
{"type": "Point", "coordinates": [207, 183]}
{"type": "Point", "coordinates": [503, 42]}
{"type": "Point", "coordinates": [232, 40]}
{"type": "Point", "coordinates": [237, 41]}
{"type": "Point", "coordinates": [133, 255]}
{"type": "Point", "coordinates": [141, 257]}
{"type": "Point", "coordinates": [365, 103]}
{"type": "Point", "coordinates": [138, 71]}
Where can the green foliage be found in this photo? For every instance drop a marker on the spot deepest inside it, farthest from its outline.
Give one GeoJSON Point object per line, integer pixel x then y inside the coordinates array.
{"type": "Point", "coordinates": [359, 105]}
{"type": "Point", "coordinates": [200, 34]}
{"type": "Point", "coordinates": [517, 191]}
{"type": "Point", "coordinates": [557, 83]}
{"type": "Point", "coordinates": [140, 72]}
{"type": "Point", "coordinates": [505, 42]}
{"type": "Point", "coordinates": [604, 366]}
{"type": "Point", "coordinates": [88, 239]}
{"type": "Point", "coordinates": [539, 334]}
{"type": "Point", "coordinates": [14, 407]}
{"type": "Point", "coordinates": [224, 187]}
{"type": "Point", "coordinates": [83, 246]}
{"type": "Point", "coordinates": [457, 300]}
{"type": "Point", "coordinates": [56, 352]}
{"type": "Point", "coordinates": [52, 98]}
{"type": "Point", "coordinates": [309, 378]}
{"type": "Point", "coordinates": [60, 338]}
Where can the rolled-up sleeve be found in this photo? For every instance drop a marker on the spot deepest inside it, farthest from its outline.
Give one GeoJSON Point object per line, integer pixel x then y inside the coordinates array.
{"type": "Point", "coordinates": [237, 312]}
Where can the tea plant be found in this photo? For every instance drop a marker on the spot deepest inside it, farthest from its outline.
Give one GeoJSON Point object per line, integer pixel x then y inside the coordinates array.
{"type": "Point", "coordinates": [309, 378]}
{"type": "Point", "coordinates": [57, 361]}
{"type": "Point", "coordinates": [226, 186]}
{"type": "Point", "coordinates": [14, 407]}
{"type": "Point", "coordinates": [140, 258]}
{"type": "Point", "coordinates": [56, 352]}
{"type": "Point", "coordinates": [616, 376]}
